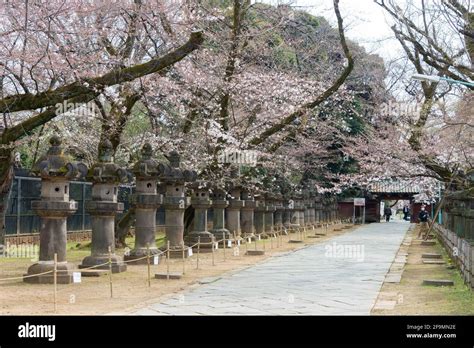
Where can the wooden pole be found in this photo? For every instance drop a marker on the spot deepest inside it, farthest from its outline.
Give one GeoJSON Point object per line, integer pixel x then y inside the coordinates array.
{"type": "Point", "coordinates": [213, 245]}
{"type": "Point", "coordinates": [168, 260]}
{"type": "Point", "coordinates": [110, 272]}
{"type": "Point", "coordinates": [184, 262]}
{"type": "Point", "coordinates": [148, 263]}
{"type": "Point", "coordinates": [225, 246]}
{"type": "Point", "coordinates": [55, 280]}
{"type": "Point", "coordinates": [199, 250]}
{"type": "Point", "coordinates": [435, 216]}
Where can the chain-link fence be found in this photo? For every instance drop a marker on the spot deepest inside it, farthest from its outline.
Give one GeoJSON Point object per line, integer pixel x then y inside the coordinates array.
{"type": "Point", "coordinates": [21, 219]}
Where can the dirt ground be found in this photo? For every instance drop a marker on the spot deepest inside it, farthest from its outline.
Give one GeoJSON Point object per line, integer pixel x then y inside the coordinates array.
{"type": "Point", "coordinates": [130, 288]}
{"type": "Point", "coordinates": [413, 298]}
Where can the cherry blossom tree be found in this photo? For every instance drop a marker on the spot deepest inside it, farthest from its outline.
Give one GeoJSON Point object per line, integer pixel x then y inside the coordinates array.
{"type": "Point", "coordinates": [60, 53]}
{"type": "Point", "coordinates": [437, 39]}
{"type": "Point", "coordinates": [273, 80]}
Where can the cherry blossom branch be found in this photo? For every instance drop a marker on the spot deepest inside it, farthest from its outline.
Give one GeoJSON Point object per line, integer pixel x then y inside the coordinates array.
{"type": "Point", "coordinates": [83, 93]}
{"type": "Point", "coordinates": [48, 98]}
{"type": "Point", "coordinates": [321, 98]}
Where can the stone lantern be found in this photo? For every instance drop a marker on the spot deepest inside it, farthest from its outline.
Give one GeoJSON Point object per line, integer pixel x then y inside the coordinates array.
{"type": "Point", "coordinates": [309, 213]}
{"type": "Point", "coordinates": [306, 212]}
{"type": "Point", "coordinates": [333, 209]}
{"type": "Point", "coordinates": [146, 201]}
{"type": "Point", "coordinates": [318, 206]}
{"type": "Point", "coordinates": [299, 210]}
{"type": "Point", "coordinates": [55, 169]}
{"type": "Point", "coordinates": [259, 217]}
{"type": "Point", "coordinates": [175, 201]}
{"type": "Point", "coordinates": [235, 205]}
{"type": "Point", "coordinates": [105, 176]}
{"type": "Point", "coordinates": [312, 212]}
{"type": "Point", "coordinates": [288, 205]}
{"type": "Point", "coordinates": [312, 207]}
{"type": "Point", "coordinates": [279, 211]}
{"type": "Point", "coordinates": [219, 203]}
{"type": "Point", "coordinates": [247, 214]}
{"type": "Point", "coordinates": [201, 202]}
{"type": "Point", "coordinates": [294, 211]}
{"type": "Point", "coordinates": [270, 209]}
{"type": "Point", "coordinates": [325, 209]}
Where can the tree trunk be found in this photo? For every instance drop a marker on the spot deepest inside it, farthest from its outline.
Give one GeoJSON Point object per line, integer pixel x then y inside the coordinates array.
{"type": "Point", "coordinates": [188, 219]}
{"type": "Point", "coordinates": [122, 228]}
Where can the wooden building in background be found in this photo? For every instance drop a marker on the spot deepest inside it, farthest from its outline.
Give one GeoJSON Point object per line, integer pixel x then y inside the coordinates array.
{"type": "Point", "coordinates": [378, 192]}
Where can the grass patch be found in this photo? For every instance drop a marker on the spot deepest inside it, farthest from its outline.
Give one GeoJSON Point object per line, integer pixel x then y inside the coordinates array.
{"type": "Point", "coordinates": [76, 251]}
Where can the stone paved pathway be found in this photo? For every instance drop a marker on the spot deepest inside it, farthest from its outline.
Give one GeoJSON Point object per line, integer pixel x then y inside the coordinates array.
{"type": "Point", "coordinates": [306, 282]}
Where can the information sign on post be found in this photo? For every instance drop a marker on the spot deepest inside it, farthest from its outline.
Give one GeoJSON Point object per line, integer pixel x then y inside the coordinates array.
{"type": "Point", "coordinates": [359, 202]}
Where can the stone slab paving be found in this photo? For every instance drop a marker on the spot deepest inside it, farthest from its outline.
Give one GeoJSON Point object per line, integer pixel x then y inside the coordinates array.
{"type": "Point", "coordinates": [309, 281]}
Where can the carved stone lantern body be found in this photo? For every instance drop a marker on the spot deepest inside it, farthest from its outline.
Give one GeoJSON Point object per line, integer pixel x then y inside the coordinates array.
{"type": "Point", "coordinates": [318, 209]}
{"type": "Point", "coordinates": [175, 202]}
{"type": "Point", "coordinates": [279, 211]}
{"type": "Point", "coordinates": [233, 211]}
{"type": "Point", "coordinates": [247, 214]}
{"type": "Point", "coordinates": [56, 170]}
{"type": "Point", "coordinates": [219, 203]}
{"type": "Point", "coordinates": [201, 202]}
{"type": "Point", "coordinates": [295, 212]}
{"type": "Point", "coordinates": [105, 176]}
{"type": "Point", "coordinates": [326, 209]}
{"type": "Point", "coordinates": [146, 200]}
{"type": "Point", "coordinates": [309, 213]}
{"type": "Point", "coordinates": [300, 207]}
{"type": "Point", "coordinates": [270, 210]}
{"type": "Point", "coordinates": [312, 209]}
{"type": "Point", "coordinates": [260, 210]}
{"type": "Point", "coordinates": [328, 205]}
{"type": "Point", "coordinates": [288, 205]}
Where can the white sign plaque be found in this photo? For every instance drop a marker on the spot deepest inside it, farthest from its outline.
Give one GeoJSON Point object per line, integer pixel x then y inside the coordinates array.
{"type": "Point", "coordinates": [76, 277]}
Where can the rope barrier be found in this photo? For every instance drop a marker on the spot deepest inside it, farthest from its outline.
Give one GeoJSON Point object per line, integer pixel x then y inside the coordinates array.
{"type": "Point", "coordinates": [166, 251]}
{"type": "Point", "coordinates": [27, 276]}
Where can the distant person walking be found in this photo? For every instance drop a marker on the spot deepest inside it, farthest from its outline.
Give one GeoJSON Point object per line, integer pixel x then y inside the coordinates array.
{"type": "Point", "coordinates": [406, 211]}
{"type": "Point", "coordinates": [423, 218]}
{"type": "Point", "coordinates": [387, 212]}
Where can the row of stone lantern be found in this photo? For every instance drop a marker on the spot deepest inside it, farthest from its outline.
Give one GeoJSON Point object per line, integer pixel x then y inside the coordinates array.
{"type": "Point", "coordinates": [238, 213]}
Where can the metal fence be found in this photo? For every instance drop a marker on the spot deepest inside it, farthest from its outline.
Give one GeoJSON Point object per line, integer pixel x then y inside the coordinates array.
{"type": "Point", "coordinates": [456, 233]}
{"type": "Point", "coordinates": [21, 219]}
